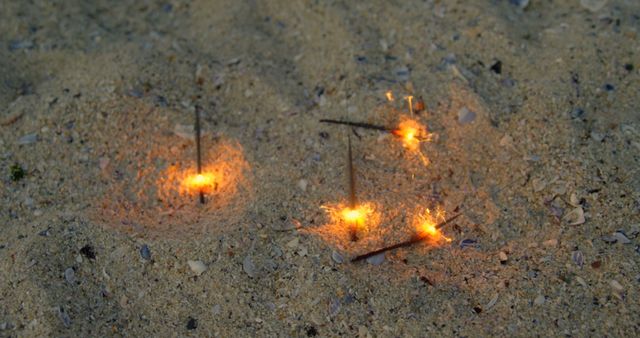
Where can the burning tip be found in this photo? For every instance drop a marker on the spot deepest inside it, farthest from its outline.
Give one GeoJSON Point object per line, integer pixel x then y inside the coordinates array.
{"type": "Point", "coordinates": [389, 95]}
{"type": "Point", "coordinates": [204, 182]}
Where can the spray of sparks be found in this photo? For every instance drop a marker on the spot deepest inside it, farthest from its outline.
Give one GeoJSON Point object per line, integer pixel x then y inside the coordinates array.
{"type": "Point", "coordinates": [342, 219]}
{"type": "Point", "coordinates": [389, 95]}
{"type": "Point", "coordinates": [425, 223]}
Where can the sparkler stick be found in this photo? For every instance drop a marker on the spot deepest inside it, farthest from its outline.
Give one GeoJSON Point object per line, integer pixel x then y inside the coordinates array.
{"type": "Point", "coordinates": [409, 98]}
{"type": "Point", "coordinates": [413, 240]}
{"type": "Point", "coordinates": [352, 191]}
{"type": "Point", "coordinates": [358, 124]}
{"type": "Point", "coordinates": [198, 150]}
{"type": "Point", "coordinates": [419, 238]}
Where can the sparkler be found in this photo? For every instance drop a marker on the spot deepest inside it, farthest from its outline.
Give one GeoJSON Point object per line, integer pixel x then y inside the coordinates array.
{"type": "Point", "coordinates": [409, 99]}
{"type": "Point", "coordinates": [430, 230]}
{"type": "Point", "coordinates": [352, 215]}
{"type": "Point", "coordinates": [199, 180]}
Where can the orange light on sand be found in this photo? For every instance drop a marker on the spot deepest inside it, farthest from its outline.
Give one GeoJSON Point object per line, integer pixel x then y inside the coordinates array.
{"type": "Point", "coordinates": [412, 133]}
{"type": "Point", "coordinates": [425, 223]}
{"type": "Point", "coordinates": [205, 182]}
{"type": "Point", "coordinates": [389, 95]}
{"type": "Point", "coordinates": [345, 220]}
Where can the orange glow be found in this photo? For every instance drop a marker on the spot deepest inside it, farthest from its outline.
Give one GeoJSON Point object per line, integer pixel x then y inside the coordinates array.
{"type": "Point", "coordinates": [425, 223]}
{"type": "Point", "coordinates": [205, 182]}
{"type": "Point", "coordinates": [412, 133]}
{"type": "Point", "coordinates": [389, 95]}
{"type": "Point", "coordinates": [364, 218]}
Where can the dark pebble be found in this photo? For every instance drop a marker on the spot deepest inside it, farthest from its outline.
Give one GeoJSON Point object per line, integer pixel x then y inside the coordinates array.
{"type": "Point", "coordinates": [192, 324]}
{"type": "Point", "coordinates": [16, 172]}
{"type": "Point", "coordinates": [577, 113]}
{"type": "Point", "coordinates": [628, 67]}
{"type": "Point", "coordinates": [361, 59]}
{"type": "Point", "coordinates": [468, 243]}
{"type": "Point", "coordinates": [161, 101]}
{"type": "Point", "coordinates": [609, 87]}
{"type": "Point", "coordinates": [324, 135]}
{"type": "Point", "coordinates": [477, 309]}
{"type": "Point", "coordinates": [311, 331]}
{"type": "Point", "coordinates": [145, 252]}
{"type": "Point", "coordinates": [497, 67]}
{"type": "Point", "coordinates": [88, 251]}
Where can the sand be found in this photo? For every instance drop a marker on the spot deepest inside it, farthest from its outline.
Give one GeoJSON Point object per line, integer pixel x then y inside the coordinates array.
{"type": "Point", "coordinates": [534, 110]}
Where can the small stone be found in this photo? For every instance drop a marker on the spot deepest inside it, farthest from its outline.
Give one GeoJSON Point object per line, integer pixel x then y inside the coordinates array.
{"type": "Point", "coordinates": [215, 310]}
{"type": "Point", "coordinates": [402, 73]}
{"type": "Point", "coordinates": [184, 131]}
{"type": "Point", "coordinates": [492, 302]}
{"type": "Point", "coordinates": [581, 281]}
{"type": "Point", "coordinates": [593, 5]}
{"type": "Point", "coordinates": [103, 162]}
{"type": "Point", "coordinates": [538, 184]}
{"type": "Point", "coordinates": [577, 113]}
{"type": "Point", "coordinates": [503, 257]}
{"type": "Point", "coordinates": [621, 237]}
{"type": "Point", "coordinates": [616, 286]}
{"type": "Point", "coordinates": [468, 242]}
{"type": "Point", "coordinates": [197, 266]}
{"type": "Point", "coordinates": [64, 317]}
{"type": "Point", "coordinates": [522, 4]}
{"type": "Point", "coordinates": [248, 266]}
{"type": "Point", "coordinates": [70, 275]}
{"type": "Point", "coordinates": [552, 243]}
{"type": "Point", "coordinates": [376, 260]}
{"type": "Point", "coordinates": [88, 251]}
{"type": "Point", "coordinates": [337, 257]}
{"type": "Point", "coordinates": [145, 252]}
{"type": "Point", "coordinates": [577, 258]}
{"type": "Point", "coordinates": [575, 217]}
{"type": "Point", "coordinates": [192, 323]}
{"type": "Point", "coordinates": [293, 243]}
{"type": "Point", "coordinates": [302, 184]}
{"type": "Point", "coordinates": [466, 116]}
{"type": "Point", "coordinates": [539, 300]}
{"type": "Point", "coordinates": [28, 139]}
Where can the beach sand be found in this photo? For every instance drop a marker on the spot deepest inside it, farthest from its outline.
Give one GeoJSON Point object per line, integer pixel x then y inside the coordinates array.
{"type": "Point", "coordinates": [533, 107]}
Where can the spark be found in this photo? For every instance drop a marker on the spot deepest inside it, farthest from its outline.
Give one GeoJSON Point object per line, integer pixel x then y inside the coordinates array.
{"type": "Point", "coordinates": [389, 95]}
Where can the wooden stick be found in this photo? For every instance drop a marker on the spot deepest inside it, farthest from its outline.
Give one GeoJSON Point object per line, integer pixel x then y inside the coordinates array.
{"type": "Point", "coordinates": [413, 240]}
{"type": "Point", "coordinates": [198, 150]}
{"type": "Point", "coordinates": [358, 125]}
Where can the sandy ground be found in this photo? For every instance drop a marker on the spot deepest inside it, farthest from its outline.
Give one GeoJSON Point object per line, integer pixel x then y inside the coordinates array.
{"type": "Point", "coordinates": [535, 111]}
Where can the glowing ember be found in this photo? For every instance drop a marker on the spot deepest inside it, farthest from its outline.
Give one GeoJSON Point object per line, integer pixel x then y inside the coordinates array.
{"type": "Point", "coordinates": [425, 223]}
{"type": "Point", "coordinates": [412, 133]}
{"type": "Point", "coordinates": [345, 220]}
{"type": "Point", "coordinates": [205, 182]}
{"type": "Point", "coordinates": [389, 95]}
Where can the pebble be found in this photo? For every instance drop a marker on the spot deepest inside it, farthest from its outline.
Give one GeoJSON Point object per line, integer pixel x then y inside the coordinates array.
{"type": "Point", "coordinates": [216, 309]}
{"type": "Point", "coordinates": [576, 113]}
{"type": "Point", "coordinates": [539, 300]}
{"type": "Point", "coordinates": [192, 323]}
{"type": "Point", "coordinates": [337, 257]}
{"type": "Point", "coordinates": [581, 281]}
{"type": "Point", "coordinates": [550, 243]}
{"type": "Point", "coordinates": [70, 275]}
{"type": "Point", "coordinates": [28, 139]}
{"type": "Point", "coordinates": [466, 116]}
{"type": "Point", "coordinates": [492, 302]}
{"type": "Point", "coordinates": [621, 237]}
{"type": "Point", "coordinates": [376, 260]}
{"type": "Point", "coordinates": [402, 73]}
{"type": "Point", "coordinates": [575, 217]}
{"type": "Point", "coordinates": [184, 131]}
{"type": "Point", "coordinates": [577, 258]}
{"type": "Point", "coordinates": [145, 252]}
{"type": "Point", "coordinates": [468, 243]}
{"type": "Point", "coordinates": [64, 317]}
{"type": "Point", "coordinates": [503, 257]}
{"type": "Point", "coordinates": [616, 286]}
{"type": "Point", "coordinates": [197, 266]}
{"type": "Point", "coordinates": [593, 5]}
{"type": "Point", "coordinates": [302, 184]}
{"type": "Point", "coordinates": [520, 3]}
{"type": "Point", "coordinates": [248, 266]}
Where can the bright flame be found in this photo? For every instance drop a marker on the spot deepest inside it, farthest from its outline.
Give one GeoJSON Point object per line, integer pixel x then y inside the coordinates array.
{"type": "Point", "coordinates": [426, 222]}
{"type": "Point", "coordinates": [205, 182]}
{"type": "Point", "coordinates": [389, 95]}
{"type": "Point", "coordinates": [353, 216]}
{"type": "Point", "coordinates": [344, 219]}
{"type": "Point", "coordinates": [412, 133]}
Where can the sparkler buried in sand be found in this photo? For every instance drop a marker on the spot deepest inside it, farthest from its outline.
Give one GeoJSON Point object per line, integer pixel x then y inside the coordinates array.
{"type": "Point", "coordinates": [355, 217]}
{"type": "Point", "coordinates": [426, 224]}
